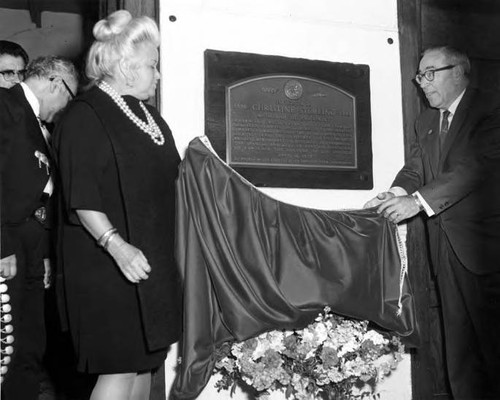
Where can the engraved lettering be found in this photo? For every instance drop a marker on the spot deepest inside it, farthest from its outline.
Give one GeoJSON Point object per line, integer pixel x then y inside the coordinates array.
{"type": "Point", "coordinates": [296, 129]}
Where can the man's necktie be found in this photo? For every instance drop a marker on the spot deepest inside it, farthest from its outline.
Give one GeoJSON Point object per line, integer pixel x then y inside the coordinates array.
{"type": "Point", "coordinates": [49, 187]}
{"type": "Point", "coordinates": [443, 131]}
{"type": "Point", "coordinates": [45, 132]}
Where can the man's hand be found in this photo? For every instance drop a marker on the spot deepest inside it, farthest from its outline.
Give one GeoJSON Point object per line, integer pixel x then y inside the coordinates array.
{"type": "Point", "coordinates": [379, 199]}
{"type": "Point", "coordinates": [399, 208]}
{"type": "Point", "coordinates": [47, 276]}
{"type": "Point", "coordinates": [8, 267]}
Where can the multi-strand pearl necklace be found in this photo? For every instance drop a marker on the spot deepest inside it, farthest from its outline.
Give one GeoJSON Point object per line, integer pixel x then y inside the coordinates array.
{"type": "Point", "coordinates": [151, 128]}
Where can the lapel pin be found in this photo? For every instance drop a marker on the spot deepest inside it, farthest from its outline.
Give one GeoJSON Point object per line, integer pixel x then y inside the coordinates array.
{"type": "Point", "coordinates": [429, 132]}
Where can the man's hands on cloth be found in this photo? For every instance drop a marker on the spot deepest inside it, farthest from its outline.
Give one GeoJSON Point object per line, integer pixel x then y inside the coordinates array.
{"type": "Point", "coordinates": [395, 208]}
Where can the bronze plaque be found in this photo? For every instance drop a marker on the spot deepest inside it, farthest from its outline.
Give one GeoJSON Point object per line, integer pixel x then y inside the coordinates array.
{"type": "Point", "coordinates": [290, 121]}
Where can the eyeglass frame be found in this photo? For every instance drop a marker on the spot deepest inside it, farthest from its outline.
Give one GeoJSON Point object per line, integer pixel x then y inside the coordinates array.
{"type": "Point", "coordinates": [72, 95]}
{"type": "Point", "coordinates": [431, 71]}
{"type": "Point", "coordinates": [11, 72]}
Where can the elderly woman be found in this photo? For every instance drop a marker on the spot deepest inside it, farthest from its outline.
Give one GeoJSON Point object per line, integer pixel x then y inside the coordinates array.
{"type": "Point", "coordinates": [118, 165]}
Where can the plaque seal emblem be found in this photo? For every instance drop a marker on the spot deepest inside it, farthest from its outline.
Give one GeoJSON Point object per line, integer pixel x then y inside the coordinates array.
{"type": "Point", "coordinates": [293, 89]}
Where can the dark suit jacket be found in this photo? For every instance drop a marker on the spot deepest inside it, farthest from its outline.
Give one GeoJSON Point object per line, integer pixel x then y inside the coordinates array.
{"type": "Point", "coordinates": [23, 174]}
{"type": "Point", "coordinates": [463, 185]}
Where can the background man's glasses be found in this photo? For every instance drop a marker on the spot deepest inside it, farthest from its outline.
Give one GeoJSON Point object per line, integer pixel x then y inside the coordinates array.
{"type": "Point", "coordinates": [11, 75]}
{"type": "Point", "coordinates": [429, 74]}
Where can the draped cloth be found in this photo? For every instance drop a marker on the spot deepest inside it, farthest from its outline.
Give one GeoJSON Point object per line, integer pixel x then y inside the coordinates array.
{"type": "Point", "coordinates": [252, 264]}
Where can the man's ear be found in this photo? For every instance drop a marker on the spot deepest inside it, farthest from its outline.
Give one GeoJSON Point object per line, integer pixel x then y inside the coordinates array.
{"type": "Point", "coordinates": [458, 72]}
{"type": "Point", "coordinates": [53, 85]}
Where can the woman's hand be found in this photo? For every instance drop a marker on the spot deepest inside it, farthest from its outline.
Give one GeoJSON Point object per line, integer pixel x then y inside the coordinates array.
{"type": "Point", "coordinates": [130, 259]}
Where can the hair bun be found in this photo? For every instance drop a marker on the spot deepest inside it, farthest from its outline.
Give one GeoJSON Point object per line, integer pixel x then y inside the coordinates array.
{"type": "Point", "coordinates": [111, 26]}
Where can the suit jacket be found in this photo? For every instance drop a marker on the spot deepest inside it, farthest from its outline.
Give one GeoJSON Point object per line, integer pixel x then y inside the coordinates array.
{"type": "Point", "coordinates": [24, 165]}
{"type": "Point", "coordinates": [462, 185]}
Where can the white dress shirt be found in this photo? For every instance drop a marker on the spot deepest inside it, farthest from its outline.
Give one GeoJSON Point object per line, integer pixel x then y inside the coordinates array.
{"type": "Point", "coordinates": [35, 105]}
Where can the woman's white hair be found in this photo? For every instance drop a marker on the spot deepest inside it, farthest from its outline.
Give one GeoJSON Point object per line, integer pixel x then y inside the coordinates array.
{"type": "Point", "coordinates": [117, 38]}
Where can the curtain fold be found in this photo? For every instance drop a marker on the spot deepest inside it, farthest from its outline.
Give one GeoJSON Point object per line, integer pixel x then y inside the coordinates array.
{"type": "Point", "coordinates": [253, 264]}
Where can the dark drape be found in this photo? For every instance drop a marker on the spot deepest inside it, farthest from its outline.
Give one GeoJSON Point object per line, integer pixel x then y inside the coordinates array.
{"type": "Point", "coordinates": [253, 264]}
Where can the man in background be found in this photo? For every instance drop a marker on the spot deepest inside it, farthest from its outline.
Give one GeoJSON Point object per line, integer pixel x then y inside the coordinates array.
{"type": "Point", "coordinates": [26, 171]}
{"type": "Point", "coordinates": [13, 61]}
{"type": "Point", "coordinates": [453, 176]}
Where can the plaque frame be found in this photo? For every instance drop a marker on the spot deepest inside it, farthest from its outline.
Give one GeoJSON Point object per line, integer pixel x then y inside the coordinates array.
{"type": "Point", "coordinates": [223, 69]}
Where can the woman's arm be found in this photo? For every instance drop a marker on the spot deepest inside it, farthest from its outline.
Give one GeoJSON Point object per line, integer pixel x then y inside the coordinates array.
{"type": "Point", "coordinates": [129, 259]}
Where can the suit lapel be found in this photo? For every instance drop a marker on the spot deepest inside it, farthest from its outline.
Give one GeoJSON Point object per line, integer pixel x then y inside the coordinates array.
{"type": "Point", "coordinates": [430, 140]}
{"type": "Point", "coordinates": [32, 125]}
{"type": "Point", "coordinates": [42, 155]}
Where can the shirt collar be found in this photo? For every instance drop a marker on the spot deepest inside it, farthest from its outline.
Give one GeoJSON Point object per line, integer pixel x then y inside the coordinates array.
{"type": "Point", "coordinates": [453, 106]}
{"type": "Point", "coordinates": [32, 100]}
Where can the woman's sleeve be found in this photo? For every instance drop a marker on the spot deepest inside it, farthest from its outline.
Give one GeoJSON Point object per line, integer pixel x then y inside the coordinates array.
{"type": "Point", "coordinates": [83, 151]}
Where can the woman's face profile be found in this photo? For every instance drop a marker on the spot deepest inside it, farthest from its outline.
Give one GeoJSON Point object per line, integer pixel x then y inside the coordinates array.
{"type": "Point", "coordinates": [145, 73]}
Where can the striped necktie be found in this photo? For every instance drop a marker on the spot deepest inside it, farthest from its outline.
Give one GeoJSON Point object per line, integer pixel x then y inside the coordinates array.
{"type": "Point", "coordinates": [49, 187]}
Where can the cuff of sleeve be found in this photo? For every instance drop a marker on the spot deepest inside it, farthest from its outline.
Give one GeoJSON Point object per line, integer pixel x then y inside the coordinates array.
{"type": "Point", "coordinates": [428, 210]}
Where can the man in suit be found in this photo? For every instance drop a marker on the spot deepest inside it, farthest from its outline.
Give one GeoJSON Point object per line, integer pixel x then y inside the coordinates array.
{"type": "Point", "coordinates": [13, 60]}
{"type": "Point", "coordinates": [27, 185]}
{"type": "Point", "coordinates": [452, 176]}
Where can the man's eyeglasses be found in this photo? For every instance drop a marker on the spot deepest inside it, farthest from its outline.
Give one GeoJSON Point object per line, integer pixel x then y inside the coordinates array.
{"type": "Point", "coordinates": [65, 85]}
{"type": "Point", "coordinates": [68, 89]}
{"type": "Point", "coordinates": [11, 74]}
{"type": "Point", "coordinates": [429, 74]}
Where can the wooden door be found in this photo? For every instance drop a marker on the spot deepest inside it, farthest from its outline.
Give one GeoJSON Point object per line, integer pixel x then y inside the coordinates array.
{"type": "Point", "coordinates": [429, 379]}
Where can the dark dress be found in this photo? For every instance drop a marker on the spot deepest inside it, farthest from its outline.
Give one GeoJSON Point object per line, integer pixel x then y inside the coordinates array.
{"type": "Point", "coordinates": [108, 164]}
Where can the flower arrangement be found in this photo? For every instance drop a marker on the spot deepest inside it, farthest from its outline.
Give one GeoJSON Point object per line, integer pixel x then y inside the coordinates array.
{"type": "Point", "coordinates": [332, 358]}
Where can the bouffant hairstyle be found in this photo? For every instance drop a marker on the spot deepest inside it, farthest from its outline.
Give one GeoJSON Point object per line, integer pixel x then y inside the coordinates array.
{"type": "Point", "coordinates": [117, 38]}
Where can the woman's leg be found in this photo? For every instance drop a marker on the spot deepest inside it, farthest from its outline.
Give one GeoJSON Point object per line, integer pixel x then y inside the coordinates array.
{"type": "Point", "coordinates": [142, 386]}
{"type": "Point", "coordinates": [114, 386]}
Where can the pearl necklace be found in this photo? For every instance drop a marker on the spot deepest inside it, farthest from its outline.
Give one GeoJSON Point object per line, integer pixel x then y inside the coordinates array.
{"type": "Point", "coordinates": [151, 128]}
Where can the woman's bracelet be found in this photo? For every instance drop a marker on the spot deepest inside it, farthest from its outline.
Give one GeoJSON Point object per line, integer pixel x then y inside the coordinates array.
{"type": "Point", "coordinates": [110, 239]}
{"type": "Point", "coordinates": [104, 239]}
